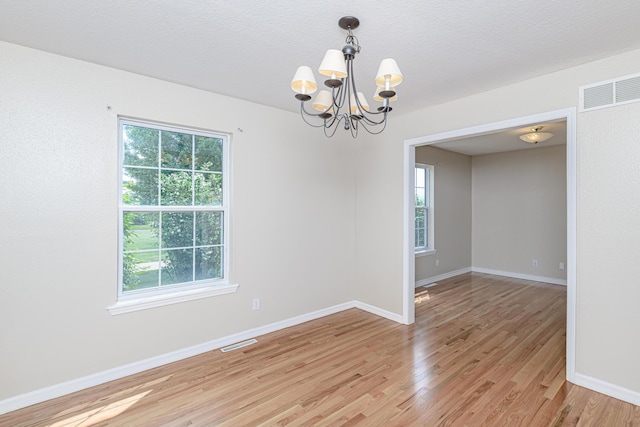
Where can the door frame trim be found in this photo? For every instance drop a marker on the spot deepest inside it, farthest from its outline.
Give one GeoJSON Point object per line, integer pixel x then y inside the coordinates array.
{"type": "Point", "coordinates": [408, 270]}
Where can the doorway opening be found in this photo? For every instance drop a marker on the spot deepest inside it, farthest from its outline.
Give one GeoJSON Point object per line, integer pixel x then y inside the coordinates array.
{"type": "Point", "coordinates": [567, 115]}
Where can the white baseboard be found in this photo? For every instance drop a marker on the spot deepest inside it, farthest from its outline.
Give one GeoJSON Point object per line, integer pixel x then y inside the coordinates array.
{"type": "Point", "coordinates": [609, 389]}
{"type": "Point", "coordinates": [57, 390]}
{"type": "Point", "coordinates": [431, 280]}
{"type": "Point", "coordinates": [379, 312]}
{"type": "Point", "coordinates": [544, 279]}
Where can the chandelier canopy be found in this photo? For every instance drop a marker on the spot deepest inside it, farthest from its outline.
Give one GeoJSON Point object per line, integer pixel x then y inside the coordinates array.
{"type": "Point", "coordinates": [341, 103]}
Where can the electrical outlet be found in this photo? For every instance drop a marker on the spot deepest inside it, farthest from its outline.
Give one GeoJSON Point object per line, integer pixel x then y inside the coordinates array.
{"type": "Point", "coordinates": [535, 262]}
{"type": "Point", "coordinates": [256, 304]}
{"type": "Point", "coordinates": [562, 266]}
{"type": "Point", "coordinates": [437, 262]}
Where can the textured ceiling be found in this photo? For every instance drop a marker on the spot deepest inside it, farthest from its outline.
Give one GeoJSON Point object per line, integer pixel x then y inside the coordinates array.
{"type": "Point", "coordinates": [446, 49]}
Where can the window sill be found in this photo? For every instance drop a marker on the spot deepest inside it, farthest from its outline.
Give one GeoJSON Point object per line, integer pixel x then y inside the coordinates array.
{"type": "Point", "coordinates": [146, 302]}
{"type": "Point", "coordinates": [425, 252]}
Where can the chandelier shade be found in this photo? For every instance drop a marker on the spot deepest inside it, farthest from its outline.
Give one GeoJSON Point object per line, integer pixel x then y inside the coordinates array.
{"type": "Point", "coordinates": [333, 64]}
{"type": "Point", "coordinates": [303, 81]}
{"type": "Point", "coordinates": [389, 73]}
{"type": "Point", "coordinates": [323, 101]}
{"type": "Point", "coordinates": [361, 104]}
{"type": "Point", "coordinates": [340, 104]}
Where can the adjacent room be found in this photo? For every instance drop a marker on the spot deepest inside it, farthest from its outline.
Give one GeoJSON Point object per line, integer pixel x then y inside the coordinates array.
{"type": "Point", "coordinates": [499, 206]}
{"type": "Point", "coordinates": [180, 247]}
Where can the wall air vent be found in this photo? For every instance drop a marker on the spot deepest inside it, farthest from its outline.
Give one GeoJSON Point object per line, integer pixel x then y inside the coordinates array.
{"type": "Point", "coordinates": [622, 90]}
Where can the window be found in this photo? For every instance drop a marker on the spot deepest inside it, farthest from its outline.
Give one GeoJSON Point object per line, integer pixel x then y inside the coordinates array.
{"type": "Point", "coordinates": [173, 209]}
{"type": "Point", "coordinates": [424, 239]}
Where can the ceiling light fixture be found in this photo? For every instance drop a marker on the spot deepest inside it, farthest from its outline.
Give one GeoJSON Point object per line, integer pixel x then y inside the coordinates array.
{"type": "Point", "coordinates": [536, 136]}
{"type": "Point", "coordinates": [342, 102]}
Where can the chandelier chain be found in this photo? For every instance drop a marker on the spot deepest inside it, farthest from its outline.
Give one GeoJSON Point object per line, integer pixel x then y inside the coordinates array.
{"type": "Point", "coordinates": [353, 41]}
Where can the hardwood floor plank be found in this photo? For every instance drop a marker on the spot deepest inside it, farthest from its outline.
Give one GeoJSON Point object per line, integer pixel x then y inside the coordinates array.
{"type": "Point", "coordinates": [484, 351]}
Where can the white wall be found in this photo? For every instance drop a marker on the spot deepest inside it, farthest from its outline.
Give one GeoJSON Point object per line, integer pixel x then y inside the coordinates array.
{"type": "Point", "coordinates": [378, 224]}
{"type": "Point", "coordinates": [599, 356]}
{"type": "Point", "coordinates": [520, 211]}
{"type": "Point", "coordinates": [452, 212]}
{"type": "Point", "coordinates": [292, 229]}
{"type": "Point", "coordinates": [608, 298]}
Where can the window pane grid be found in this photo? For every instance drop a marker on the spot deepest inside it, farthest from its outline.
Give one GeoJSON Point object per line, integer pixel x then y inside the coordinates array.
{"type": "Point", "coordinates": [421, 227]}
{"type": "Point", "coordinates": [159, 172]}
{"type": "Point", "coordinates": [423, 197]}
{"type": "Point", "coordinates": [172, 169]}
{"type": "Point", "coordinates": [205, 259]}
{"type": "Point", "coordinates": [170, 182]}
{"type": "Point", "coordinates": [172, 189]}
{"type": "Point", "coordinates": [146, 251]}
{"type": "Point", "coordinates": [193, 187]}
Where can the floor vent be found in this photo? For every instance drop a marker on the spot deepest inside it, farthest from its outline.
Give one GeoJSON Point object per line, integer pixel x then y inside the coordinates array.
{"type": "Point", "coordinates": [622, 90]}
{"type": "Point", "coordinates": [238, 345]}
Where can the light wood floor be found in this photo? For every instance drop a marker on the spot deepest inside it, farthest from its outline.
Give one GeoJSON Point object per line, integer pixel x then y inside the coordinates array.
{"type": "Point", "coordinates": [484, 350]}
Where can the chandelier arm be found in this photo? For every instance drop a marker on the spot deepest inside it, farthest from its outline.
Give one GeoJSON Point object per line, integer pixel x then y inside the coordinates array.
{"type": "Point", "coordinates": [354, 128]}
{"type": "Point", "coordinates": [335, 124]}
{"type": "Point", "coordinates": [384, 125]}
{"type": "Point", "coordinates": [345, 99]}
{"type": "Point", "coordinates": [303, 114]}
{"type": "Point", "coordinates": [352, 88]}
{"type": "Point", "coordinates": [338, 98]}
{"type": "Point", "coordinates": [366, 115]}
{"type": "Point", "coordinates": [330, 122]}
{"type": "Point", "coordinates": [312, 124]}
{"type": "Point", "coordinates": [304, 111]}
{"type": "Point", "coordinates": [331, 127]}
{"type": "Point", "coordinates": [327, 123]}
{"type": "Point", "coordinates": [352, 78]}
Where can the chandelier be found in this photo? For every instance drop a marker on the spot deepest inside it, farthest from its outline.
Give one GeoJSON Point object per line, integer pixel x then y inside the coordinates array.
{"type": "Point", "coordinates": [341, 103]}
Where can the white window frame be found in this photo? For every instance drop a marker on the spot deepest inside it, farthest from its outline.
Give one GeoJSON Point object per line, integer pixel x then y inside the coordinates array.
{"type": "Point", "coordinates": [154, 297]}
{"type": "Point", "coordinates": [429, 247]}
